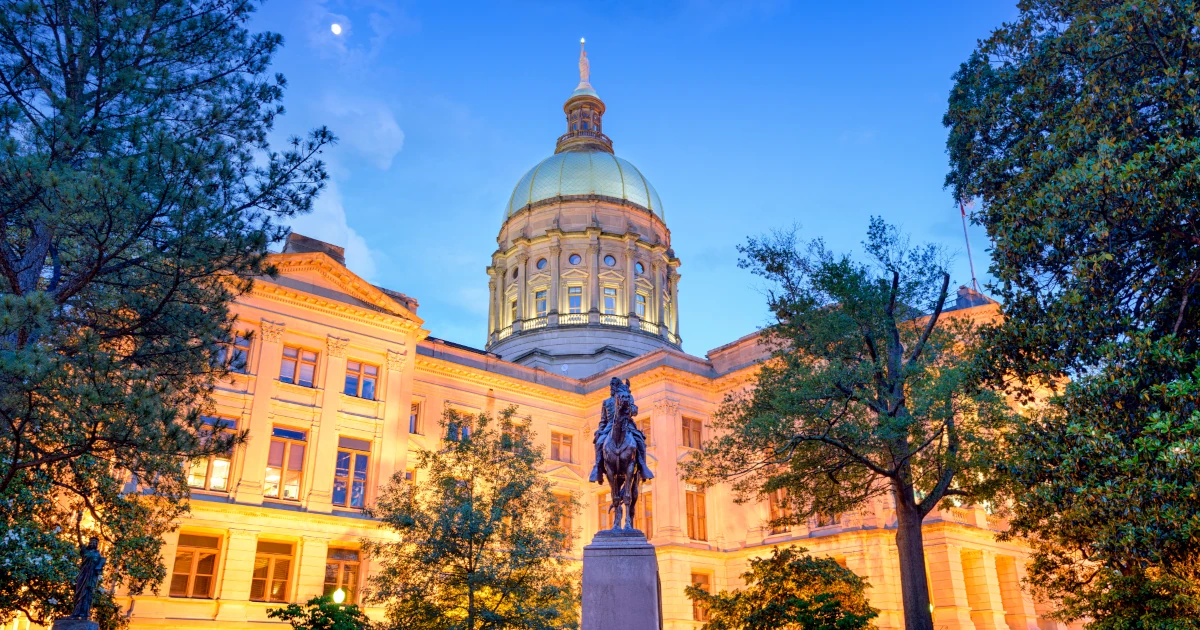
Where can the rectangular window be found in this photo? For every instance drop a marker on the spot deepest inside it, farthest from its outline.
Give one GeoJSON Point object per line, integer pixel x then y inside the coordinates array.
{"type": "Point", "coordinates": [697, 519]}
{"type": "Point", "coordinates": [285, 464]}
{"type": "Point", "coordinates": [691, 432]}
{"type": "Point", "coordinates": [565, 521]}
{"type": "Point", "coordinates": [410, 475]}
{"type": "Point", "coordinates": [574, 299]}
{"type": "Point", "coordinates": [643, 514]}
{"type": "Point", "coordinates": [414, 419]}
{"type": "Point", "coordinates": [512, 309]}
{"type": "Point", "coordinates": [639, 305]}
{"type": "Point", "coordinates": [360, 379]}
{"type": "Point", "coordinates": [779, 509]}
{"type": "Point", "coordinates": [704, 582]}
{"type": "Point", "coordinates": [195, 569]}
{"type": "Point", "coordinates": [212, 473]}
{"type": "Point", "coordinates": [272, 572]}
{"type": "Point", "coordinates": [560, 447]}
{"type": "Point", "coordinates": [610, 300]}
{"type": "Point", "coordinates": [342, 571]}
{"type": "Point", "coordinates": [350, 473]}
{"type": "Point", "coordinates": [235, 356]}
{"type": "Point", "coordinates": [299, 366]}
{"type": "Point", "coordinates": [539, 303]}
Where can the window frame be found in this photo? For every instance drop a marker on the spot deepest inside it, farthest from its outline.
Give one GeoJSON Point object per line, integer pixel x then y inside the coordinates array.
{"type": "Point", "coordinates": [342, 563]}
{"type": "Point", "coordinates": [566, 519]}
{"type": "Point", "coordinates": [777, 508]}
{"type": "Point", "coordinates": [609, 296]}
{"type": "Point", "coordinates": [541, 302]}
{"type": "Point", "coordinates": [556, 446]}
{"type": "Point", "coordinates": [220, 425]}
{"type": "Point", "coordinates": [229, 353]}
{"type": "Point", "coordinates": [193, 564]}
{"type": "Point", "coordinates": [289, 444]}
{"type": "Point", "coordinates": [643, 519]}
{"type": "Point", "coordinates": [297, 364]}
{"type": "Point", "coordinates": [696, 512]}
{"type": "Point", "coordinates": [414, 418]}
{"type": "Point", "coordinates": [693, 432]}
{"type": "Point", "coordinates": [361, 376]}
{"type": "Point", "coordinates": [700, 612]}
{"type": "Point", "coordinates": [272, 558]}
{"type": "Point", "coordinates": [356, 450]}
{"type": "Point", "coordinates": [574, 291]}
{"type": "Point", "coordinates": [640, 302]}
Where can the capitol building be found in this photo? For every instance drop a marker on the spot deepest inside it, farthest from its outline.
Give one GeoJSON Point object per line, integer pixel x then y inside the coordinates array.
{"type": "Point", "coordinates": [343, 382]}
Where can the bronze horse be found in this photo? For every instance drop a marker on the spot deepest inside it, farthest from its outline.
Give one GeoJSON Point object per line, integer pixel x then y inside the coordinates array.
{"type": "Point", "coordinates": [620, 463]}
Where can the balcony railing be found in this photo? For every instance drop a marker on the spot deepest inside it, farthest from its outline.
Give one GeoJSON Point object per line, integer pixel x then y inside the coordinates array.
{"type": "Point", "coordinates": [504, 333]}
{"type": "Point", "coordinates": [572, 319]}
{"type": "Point", "coordinates": [649, 327]}
{"type": "Point", "coordinates": [536, 322]}
{"type": "Point", "coordinates": [614, 320]}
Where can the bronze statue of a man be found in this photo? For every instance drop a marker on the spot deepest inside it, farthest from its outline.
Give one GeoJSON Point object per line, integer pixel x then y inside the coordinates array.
{"type": "Point", "coordinates": [608, 412]}
{"type": "Point", "coordinates": [91, 565]}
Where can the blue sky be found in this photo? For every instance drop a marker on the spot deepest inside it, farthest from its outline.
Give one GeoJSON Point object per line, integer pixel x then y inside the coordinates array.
{"type": "Point", "coordinates": [746, 116]}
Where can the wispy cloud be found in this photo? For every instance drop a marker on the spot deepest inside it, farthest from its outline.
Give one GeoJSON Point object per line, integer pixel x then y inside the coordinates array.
{"type": "Point", "coordinates": [366, 125]}
{"type": "Point", "coordinates": [327, 222]}
{"type": "Point", "coordinates": [355, 50]}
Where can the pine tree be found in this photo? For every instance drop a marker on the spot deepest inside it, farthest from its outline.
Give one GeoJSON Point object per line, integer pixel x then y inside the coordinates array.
{"type": "Point", "coordinates": [481, 544]}
{"type": "Point", "coordinates": [138, 195]}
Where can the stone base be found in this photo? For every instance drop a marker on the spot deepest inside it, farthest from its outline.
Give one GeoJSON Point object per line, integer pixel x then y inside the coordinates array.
{"type": "Point", "coordinates": [620, 583]}
{"type": "Point", "coordinates": [68, 623]}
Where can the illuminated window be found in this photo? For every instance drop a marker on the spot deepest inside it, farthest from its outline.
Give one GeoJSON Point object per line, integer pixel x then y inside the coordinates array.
{"type": "Point", "coordinates": [697, 518]}
{"type": "Point", "coordinates": [342, 571]}
{"type": "Point", "coordinates": [703, 582]}
{"type": "Point", "coordinates": [272, 572]}
{"type": "Point", "coordinates": [610, 300]}
{"type": "Point", "coordinates": [414, 419]}
{"type": "Point", "coordinates": [779, 509]}
{"type": "Point", "coordinates": [639, 304]}
{"type": "Point", "coordinates": [195, 570]}
{"type": "Point", "coordinates": [574, 299]}
{"type": "Point", "coordinates": [212, 473]}
{"type": "Point", "coordinates": [643, 514]}
{"type": "Point", "coordinates": [566, 523]}
{"type": "Point", "coordinates": [360, 379]}
{"type": "Point", "coordinates": [285, 464]}
{"type": "Point", "coordinates": [691, 433]}
{"type": "Point", "coordinates": [236, 355]}
{"type": "Point", "coordinates": [410, 475]}
{"type": "Point", "coordinates": [298, 366]}
{"type": "Point", "coordinates": [512, 310]}
{"type": "Point", "coordinates": [560, 447]}
{"type": "Point", "coordinates": [350, 472]}
{"type": "Point", "coordinates": [539, 303]}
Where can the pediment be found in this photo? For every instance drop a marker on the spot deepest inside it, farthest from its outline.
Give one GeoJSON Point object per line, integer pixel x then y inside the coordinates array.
{"type": "Point", "coordinates": [541, 277]}
{"type": "Point", "coordinates": [564, 471]}
{"type": "Point", "coordinates": [574, 273]}
{"type": "Point", "coordinates": [614, 276]}
{"type": "Point", "coordinates": [644, 284]}
{"type": "Point", "coordinates": [319, 275]}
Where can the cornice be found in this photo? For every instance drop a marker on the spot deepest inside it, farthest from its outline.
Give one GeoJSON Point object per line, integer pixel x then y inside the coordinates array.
{"type": "Point", "coordinates": [432, 365]}
{"type": "Point", "coordinates": [311, 302]}
{"type": "Point", "coordinates": [344, 278]}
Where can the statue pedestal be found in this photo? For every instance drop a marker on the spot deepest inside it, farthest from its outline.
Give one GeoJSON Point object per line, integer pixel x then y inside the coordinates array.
{"type": "Point", "coordinates": [70, 623]}
{"type": "Point", "coordinates": [620, 583]}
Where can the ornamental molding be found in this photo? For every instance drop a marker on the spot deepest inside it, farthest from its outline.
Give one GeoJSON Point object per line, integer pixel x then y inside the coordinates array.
{"type": "Point", "coordinates": [337, 346]}
{"type": "Point", "coordinates": [435, 366]}
{"type": "Point", "coordinates": [667, 407]}
{"type": "Point", "coordinates": [272, 332]}
{"type": "Point", "coordinates": [396, 359]}
{"type": "Point", "coordinates": [340, 310]}
{"type": "Point", "coordinates": [339, 275]}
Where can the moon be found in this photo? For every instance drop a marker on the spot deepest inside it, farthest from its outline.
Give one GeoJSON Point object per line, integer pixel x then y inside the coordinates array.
{"type": "Point", "coordinates": [336, 28]}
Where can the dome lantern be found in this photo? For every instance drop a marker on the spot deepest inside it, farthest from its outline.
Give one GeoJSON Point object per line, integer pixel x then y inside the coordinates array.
{"type": "Point", "coordinates": [585, 112]}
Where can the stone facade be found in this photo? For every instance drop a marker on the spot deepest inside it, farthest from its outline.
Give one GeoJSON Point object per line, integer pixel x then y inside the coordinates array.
{"type": "Point", "coordinates": [343, 383]}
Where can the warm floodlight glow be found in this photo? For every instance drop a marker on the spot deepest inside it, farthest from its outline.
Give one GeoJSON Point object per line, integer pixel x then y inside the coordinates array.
{"type": "Point", "coordinates": [336, 28]}
{"type": "Point", "coordinates": [339, 595]}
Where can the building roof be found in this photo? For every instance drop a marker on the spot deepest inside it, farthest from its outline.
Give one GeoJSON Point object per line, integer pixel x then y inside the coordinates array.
{"type": "Point", "coordinates": [584, 173]}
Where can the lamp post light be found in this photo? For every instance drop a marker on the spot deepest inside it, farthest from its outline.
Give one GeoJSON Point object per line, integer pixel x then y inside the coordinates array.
{"type": "Point", "coordinates": [339, 596]}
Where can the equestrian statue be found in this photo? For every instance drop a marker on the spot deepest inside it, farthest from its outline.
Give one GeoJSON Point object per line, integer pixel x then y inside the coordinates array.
{"type": "Point", "coordinates": [620, 453]}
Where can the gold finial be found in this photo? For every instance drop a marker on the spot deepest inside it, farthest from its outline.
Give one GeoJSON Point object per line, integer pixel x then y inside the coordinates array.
{"type": "Point", "coordinates": [585, 68]}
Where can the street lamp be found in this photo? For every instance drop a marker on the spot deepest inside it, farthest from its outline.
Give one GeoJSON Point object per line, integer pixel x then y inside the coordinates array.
{"type": "Point", "coordinates": [339, 596]}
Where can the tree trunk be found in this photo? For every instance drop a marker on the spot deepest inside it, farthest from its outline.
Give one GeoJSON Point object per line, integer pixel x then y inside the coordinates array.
{"type": "Point", "coordinates": [914, 588]}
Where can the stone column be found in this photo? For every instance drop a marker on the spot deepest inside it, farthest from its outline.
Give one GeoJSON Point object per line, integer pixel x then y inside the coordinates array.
{"type": "Point", "coordinates": [674, 323]}
{"type": "Point", "coordinates": [253, 465]}
{"type": "Point", "coordinates": [983, 589]}
{"type": "Point", "coordinates": [555, 278]}
{"type": "Point", "coordinates": [396, 408]}
{"type": "Point", "coordinates": [501, 280]}
{"type": "Point", "coordinates": [310, 567]}
{"type": "Point", "coordinates": [522, 286]}
{"type": "Point", "coordinates": [948, 588]}
{"type": "Point", "coordinates": [630, 274]}
{"type": "Point", "coordinates": [234, 586]}
{"type": "Point", "coordinates": [656, 302]}
{"type": "Point", "coordinates": [492, 327]}
{"type": "Point", "coordinates": [594, 276]}
{"type": "Point", "coordinates": [668, 487]}
{"type": "Point", "coordinates": [1019, 610]}
{"type": "Point", "coordinates": [323, 437]}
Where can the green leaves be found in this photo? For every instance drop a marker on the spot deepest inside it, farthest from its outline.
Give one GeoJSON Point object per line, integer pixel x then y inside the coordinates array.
{"type": "Point", "coordinates": [790, 589]}
{"type": "Point", "coordinates": [480, 539]}
{"type": "Point", "coordinates": [320, 613]}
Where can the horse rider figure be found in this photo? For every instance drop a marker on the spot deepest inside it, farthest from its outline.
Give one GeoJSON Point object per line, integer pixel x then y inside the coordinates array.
{"type": "Point", "coordinates": [608, 415]}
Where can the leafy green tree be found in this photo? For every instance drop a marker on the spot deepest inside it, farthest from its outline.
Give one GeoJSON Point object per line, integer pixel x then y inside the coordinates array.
{"type": "Point", "coordinates": [480, 545]}
{"type": "Point", "coordinates": [138, 196]}
{"type": "Point", "coordinates": [866, 396]}
{"type": "Point", "coordinates": [1077, 126]}
{"type": "Point", "coordinates": [790, 589]}
{"type": "Point", "coordinates": [321, 613]}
